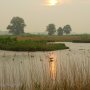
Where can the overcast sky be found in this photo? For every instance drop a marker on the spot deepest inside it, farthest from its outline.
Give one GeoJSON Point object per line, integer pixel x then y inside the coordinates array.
{"type": "Point", "coordinates": [38, 15]}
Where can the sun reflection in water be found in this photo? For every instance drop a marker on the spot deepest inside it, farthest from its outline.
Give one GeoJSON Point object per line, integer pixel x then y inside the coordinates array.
{"type": "Point", "coordinates": [52, 65]}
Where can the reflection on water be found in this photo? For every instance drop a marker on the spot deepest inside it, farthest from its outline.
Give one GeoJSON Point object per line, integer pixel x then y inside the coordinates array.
{"type": "Point", "coordinates": [52, 65]}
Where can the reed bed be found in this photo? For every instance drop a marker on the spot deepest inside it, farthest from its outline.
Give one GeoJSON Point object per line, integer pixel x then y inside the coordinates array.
{"type": "Point", "coordinates": [12, 44]}
{"type": "Point", "coordinates": [69, 70]}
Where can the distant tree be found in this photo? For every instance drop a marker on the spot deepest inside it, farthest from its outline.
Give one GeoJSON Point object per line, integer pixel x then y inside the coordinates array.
{"type": "Point", "coordinates": [67, 29]}
{"type": "Point", "coordinates": [59, 31]}
{"type": "Point", "coordinates": [16, 26]}
{"type": "Point", "coordinates": [51, 29]}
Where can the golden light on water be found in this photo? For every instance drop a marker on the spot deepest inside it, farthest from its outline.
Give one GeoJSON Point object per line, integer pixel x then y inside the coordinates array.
{"type": "Point", "coordinates": [53, 70]}
{"type": "Point", "coordinates": [52, 65]}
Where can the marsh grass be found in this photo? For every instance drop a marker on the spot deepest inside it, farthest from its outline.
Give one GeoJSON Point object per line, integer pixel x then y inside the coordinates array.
{"type": "Point", "coordinates": [13, 44]}
{"type": "Point", "coordinates": [29, 73]}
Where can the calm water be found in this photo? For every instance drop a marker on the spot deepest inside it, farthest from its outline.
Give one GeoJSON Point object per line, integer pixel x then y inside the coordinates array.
{"type": "Point", "coordinates": [27, 69]}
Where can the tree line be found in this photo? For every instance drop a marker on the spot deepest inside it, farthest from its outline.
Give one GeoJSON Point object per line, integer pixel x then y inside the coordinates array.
{"type": "Point", "coordinates": [17, 26]}
{"type": "Point", "coordinates": [51, 29]}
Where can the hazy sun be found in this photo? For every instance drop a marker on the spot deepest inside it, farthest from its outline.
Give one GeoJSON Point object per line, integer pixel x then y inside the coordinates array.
{"type": "Point", "coordinates": [56, 2]}
{"type": "Point", "coordinates": [52, 2]}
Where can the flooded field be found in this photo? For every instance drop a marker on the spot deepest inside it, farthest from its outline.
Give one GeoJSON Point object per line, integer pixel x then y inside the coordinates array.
{"type": "Point", "coordinates": [56, 70]}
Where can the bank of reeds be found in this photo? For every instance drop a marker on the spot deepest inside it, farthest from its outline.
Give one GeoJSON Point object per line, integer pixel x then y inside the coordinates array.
{"type": "Point", "coordinates": [28, 45]}
{"type": "Point", "coordinates": [25, 72]}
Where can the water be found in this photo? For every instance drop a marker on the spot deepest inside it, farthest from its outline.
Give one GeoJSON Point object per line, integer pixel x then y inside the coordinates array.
{"type": "Point", "coordinates": [31, 70]}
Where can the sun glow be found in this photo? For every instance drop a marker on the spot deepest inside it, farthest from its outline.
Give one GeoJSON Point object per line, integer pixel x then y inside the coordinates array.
{"type": "Point", "coordinates": [56, 2]}
{"type": "Point", "coordinates": [52, 2]}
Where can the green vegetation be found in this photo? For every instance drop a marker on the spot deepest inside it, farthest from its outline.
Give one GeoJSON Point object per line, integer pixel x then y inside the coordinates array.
{"type": "Point", "coordinates": [81, 41]}
{"type": "Point", "coordinates": [16, 26]}
{"type": "Point", "coordinates": [60, 31]}
{"type": "Point", "coordinates": [39, 42]}
{"type": "Point", "coordinates": [67, 29]}
{"type": "Point", "coordinates": [51, 29]}
{"type": "Point", "coordinates": [85, 38]}
{"type": "Point", "coordinates": [13, 44]}
{"type": "Point", "coordinates": [55, 38]}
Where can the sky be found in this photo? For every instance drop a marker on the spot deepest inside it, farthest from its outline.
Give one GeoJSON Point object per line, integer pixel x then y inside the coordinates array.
{"type": "Point", "coordinates": [37, 14]}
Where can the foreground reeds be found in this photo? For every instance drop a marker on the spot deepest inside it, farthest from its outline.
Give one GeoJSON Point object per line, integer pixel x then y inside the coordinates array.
{"type": "Point", "coordinates": [69, 70]}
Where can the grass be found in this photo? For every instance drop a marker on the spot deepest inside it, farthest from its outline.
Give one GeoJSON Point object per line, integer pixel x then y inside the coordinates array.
{"type": "Point", "coordinates": [73, 72]}
{"type": "Point", "coordinates": [81, 41]}
{"type": "Point", "coordinates": [54, 38]}
{"type": "Point", "coordinates": [13, 44]}
{"type": "Point", "coordinates": [50, 38]}
{"type": "Point", "coordinates": [39, 42]}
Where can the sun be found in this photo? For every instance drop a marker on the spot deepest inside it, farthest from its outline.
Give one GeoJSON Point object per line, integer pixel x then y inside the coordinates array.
{"type": "Point", "coordinates": [52, 2]}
